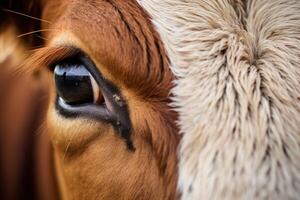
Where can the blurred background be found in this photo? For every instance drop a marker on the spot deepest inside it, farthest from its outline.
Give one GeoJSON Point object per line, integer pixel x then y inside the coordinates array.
{"type": "Point", "coordinates": [25, 152]}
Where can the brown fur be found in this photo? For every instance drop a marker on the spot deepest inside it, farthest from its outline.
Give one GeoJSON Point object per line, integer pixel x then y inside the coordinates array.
{"type": "Point", "coordinates": [92, 161]}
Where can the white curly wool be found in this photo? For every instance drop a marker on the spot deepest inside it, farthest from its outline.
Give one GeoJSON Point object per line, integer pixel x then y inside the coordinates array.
{"type": "Point", "coordinates": [237, 93]}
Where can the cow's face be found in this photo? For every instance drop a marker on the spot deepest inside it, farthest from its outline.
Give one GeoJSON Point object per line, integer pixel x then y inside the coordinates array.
{"type": "Point", "coordinates": [109, 119]}
{"type": "Point", "coordinates": [236, 96]}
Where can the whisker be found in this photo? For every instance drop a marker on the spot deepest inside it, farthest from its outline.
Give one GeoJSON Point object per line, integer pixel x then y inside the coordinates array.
{"type": "Point", "coordinates": [32, 32]}
{"type": "Point", "coordinates": [67, 148]}
{"type": "Point", "coordinates": [41, 129]}
{"type": "Point", "coordinates": [25, 15]}
{"type": "Point", "coordinates": [35, 48]}
{"type": "Point", "coordinates": [41, 37]}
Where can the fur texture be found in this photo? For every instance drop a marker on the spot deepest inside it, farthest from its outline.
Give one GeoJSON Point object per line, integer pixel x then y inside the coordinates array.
{"type": "Point", "coordinates": [91, 159]}
{"type": "Point", "coordinates": [237, 94]}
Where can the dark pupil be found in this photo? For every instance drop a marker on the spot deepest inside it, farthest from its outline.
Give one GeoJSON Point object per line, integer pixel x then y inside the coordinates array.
{"type": "Point", "coordinates": [73, 84]}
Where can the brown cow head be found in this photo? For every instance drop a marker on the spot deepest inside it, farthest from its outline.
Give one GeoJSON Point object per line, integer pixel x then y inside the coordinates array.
{"type": "Point", "coordinates": [236, 95]}
{"type": "Point", "coordinates": [109, 120]}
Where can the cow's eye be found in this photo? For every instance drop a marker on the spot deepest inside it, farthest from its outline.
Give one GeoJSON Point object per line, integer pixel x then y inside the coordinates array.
{"type": "Point", "coordinates": [74, 84]}
{"type": "Point", "coordinates": [82, 91]}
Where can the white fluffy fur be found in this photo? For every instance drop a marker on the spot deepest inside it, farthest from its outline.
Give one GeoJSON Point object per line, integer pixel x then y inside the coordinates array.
{"type": "Point", "coordinates": [237, 93]}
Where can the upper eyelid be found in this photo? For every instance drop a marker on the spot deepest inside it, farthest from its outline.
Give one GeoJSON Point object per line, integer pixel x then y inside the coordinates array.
{"type": "Point", "coordinates": [47, 57]}
{"type": "Point", "coordinates": [69, 56]}
{"type": "Point", "coordinates": [78, 56]}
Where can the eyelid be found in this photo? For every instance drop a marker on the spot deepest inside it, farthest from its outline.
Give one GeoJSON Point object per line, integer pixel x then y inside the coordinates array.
{"type": "Point", "coordinates": [64, 55]}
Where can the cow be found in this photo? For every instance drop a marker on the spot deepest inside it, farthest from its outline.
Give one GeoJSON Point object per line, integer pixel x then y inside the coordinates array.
{"type": "Point", "coordinates": [150, 99]}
